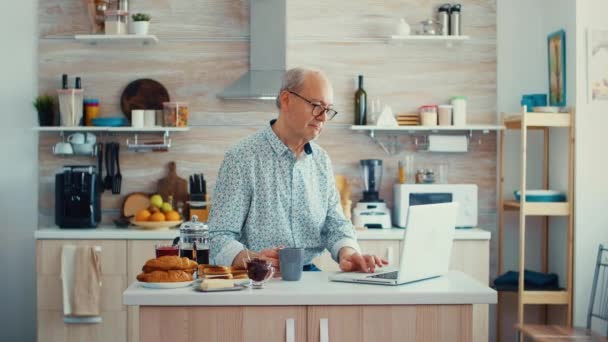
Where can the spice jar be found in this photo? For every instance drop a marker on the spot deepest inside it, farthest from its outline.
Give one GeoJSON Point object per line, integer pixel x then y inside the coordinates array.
{"type": "Point", "coordinates": [175, 114]}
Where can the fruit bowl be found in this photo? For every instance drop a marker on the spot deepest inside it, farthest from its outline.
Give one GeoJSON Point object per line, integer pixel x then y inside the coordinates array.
{"type": "Point", "coordinates": [155, 224]}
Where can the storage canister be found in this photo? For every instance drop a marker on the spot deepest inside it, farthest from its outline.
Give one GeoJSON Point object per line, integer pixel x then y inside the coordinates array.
{"type": "Point", "coordinates": [459, 110]}
{"type": "Point", "coordinates": [175, 114]}
{"type": "Point", "coordinates": [445, 115]}
{"type": "Point", "coordinates": [428, 115]}
{"type": "Point", "coordinates": [91, 110]}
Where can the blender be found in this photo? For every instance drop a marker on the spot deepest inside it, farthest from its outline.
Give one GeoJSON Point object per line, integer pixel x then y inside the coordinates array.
{"type": "Point", "coordinates": [371, 211]}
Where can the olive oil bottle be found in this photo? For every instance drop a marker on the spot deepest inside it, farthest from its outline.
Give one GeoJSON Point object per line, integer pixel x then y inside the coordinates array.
{"type": "Point", "coordinates": [360, 104]}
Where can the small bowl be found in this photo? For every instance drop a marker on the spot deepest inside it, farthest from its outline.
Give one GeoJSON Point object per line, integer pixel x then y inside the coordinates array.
{"type": "Point", "coordinates": [546, 109]}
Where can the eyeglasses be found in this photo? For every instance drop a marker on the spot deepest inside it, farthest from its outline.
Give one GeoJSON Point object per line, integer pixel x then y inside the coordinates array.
{"type": "Point", "coordinates": [317, 109]}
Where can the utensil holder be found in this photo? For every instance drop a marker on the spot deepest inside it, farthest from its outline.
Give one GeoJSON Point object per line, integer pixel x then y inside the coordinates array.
{"type": "Point", "coordinates": [70, 106]}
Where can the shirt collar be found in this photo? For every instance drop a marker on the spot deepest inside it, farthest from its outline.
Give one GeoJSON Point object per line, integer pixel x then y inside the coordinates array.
{"type": "Point", "coordinates": [277, 145]}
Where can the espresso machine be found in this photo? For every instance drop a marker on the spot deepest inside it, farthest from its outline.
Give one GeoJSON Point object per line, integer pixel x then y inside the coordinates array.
{"type": "Point", "coordinates": [371, 211]}
{"type": "Point", "coordinates": [77, 197]}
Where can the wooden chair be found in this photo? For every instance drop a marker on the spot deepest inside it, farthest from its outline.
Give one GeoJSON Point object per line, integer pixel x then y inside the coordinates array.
{"type": "Point", "coordinates": [598, 308]}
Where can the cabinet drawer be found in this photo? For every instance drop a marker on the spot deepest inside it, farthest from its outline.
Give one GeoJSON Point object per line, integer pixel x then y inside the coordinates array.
{"type": "Point", "coordinates": [113, 255]}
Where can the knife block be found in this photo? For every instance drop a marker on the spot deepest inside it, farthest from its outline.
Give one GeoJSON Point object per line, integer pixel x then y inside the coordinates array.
{"type": "Point", "coordinates": [200, 209]}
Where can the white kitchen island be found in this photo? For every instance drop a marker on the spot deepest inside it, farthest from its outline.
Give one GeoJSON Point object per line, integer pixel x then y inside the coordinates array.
{"type": "Point", "coordinates": [314, 309]}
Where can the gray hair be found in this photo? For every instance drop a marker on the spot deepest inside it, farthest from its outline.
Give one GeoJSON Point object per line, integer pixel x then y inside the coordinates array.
{"type": "Point", "coordinates": [293, 80]}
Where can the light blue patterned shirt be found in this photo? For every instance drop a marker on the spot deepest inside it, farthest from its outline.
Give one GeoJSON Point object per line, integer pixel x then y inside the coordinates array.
{"type": "Point", "coordinates": [266, 197]}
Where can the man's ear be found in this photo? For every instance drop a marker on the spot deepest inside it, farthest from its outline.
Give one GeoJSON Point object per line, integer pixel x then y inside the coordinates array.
{"type": "Point", "coordinates": [284, 99]}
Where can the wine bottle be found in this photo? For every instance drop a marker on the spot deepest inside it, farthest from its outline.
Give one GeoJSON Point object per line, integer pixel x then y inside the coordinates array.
{"type": "Point", "coordinates": [360, 104]}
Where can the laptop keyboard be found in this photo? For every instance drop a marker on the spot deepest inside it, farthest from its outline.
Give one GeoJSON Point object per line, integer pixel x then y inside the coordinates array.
{"type": "Point", "coordinates": [388, 275]}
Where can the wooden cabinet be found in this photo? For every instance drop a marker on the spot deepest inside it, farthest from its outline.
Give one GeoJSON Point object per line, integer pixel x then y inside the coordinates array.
{"type": "Point", "coordinates": [389, 323]}
{"type": "Point", "coordinates": [372, 323]}
{"type": "Point", "coordinates": [469, 256]}
{"type": "Point", "coordinates": [138, 252]}
{"type": "Point", "coordinates": [51, 327]}
{"type": "Point", "coordinates": [223, 324]}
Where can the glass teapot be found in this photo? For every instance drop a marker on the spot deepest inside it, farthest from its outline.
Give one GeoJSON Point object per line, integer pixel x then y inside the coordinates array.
{"type": "Point", "coordinates": [193, 240]}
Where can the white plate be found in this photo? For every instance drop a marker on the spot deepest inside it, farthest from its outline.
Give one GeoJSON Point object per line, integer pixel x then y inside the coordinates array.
{"type": "Point", "coordinates": [166, 285]}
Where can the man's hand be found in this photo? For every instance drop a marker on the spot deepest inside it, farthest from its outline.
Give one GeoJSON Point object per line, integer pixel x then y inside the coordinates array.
{"type": "Point", "coordinates": [271, 254]}
{"type": "Point", "coordinates": [353, 261]}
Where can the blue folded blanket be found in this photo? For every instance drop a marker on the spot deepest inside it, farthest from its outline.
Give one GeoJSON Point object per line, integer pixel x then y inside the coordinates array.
{"type": "Point", "coordinates": [531, 278]}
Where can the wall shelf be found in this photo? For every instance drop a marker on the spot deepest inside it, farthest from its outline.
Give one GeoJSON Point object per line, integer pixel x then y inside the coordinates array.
{"type": "Point", "coordinates": [94, 39]}
{"type": "Point", "coordinates": [110, 129]}
{"type": "Point", "coordinates": [449, 41]}
{"type": "Point", "coordinates": [132, 145]}
{"type": "Point", "coordinates": [393, 132]}
{"type": "Point", "coordinates": [427, 129]}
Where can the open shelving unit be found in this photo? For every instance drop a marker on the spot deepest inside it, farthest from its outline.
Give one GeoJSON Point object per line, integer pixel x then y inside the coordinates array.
{"type": "Point", "coordinates": [420, 130]}
{"type": "Point", "coordinates": [525, 121]}
{"type": "Point", "coordinates": [134, 144]}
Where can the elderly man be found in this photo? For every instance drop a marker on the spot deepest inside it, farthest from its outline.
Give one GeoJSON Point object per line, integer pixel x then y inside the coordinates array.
{"type": "Point", "coordinates": [276, 188]}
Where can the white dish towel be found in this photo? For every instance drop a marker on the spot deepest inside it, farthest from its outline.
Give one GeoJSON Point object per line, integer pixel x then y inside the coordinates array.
{"type": "Point", "coordinates": [68, 265]}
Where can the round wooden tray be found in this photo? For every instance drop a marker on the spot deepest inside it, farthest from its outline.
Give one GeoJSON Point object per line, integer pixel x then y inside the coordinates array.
{"type": "Point", "coordinates": [155, 225]}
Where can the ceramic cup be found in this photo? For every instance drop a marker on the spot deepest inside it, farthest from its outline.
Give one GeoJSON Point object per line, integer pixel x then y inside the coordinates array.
{"type": "Point", "coordinates": [137, 118]}
{"type": "Point", "coordinates": [291, 261]}
{"type": "Point", "coordinates": [63, 148]}
{"type": "Point", "coordinates": [81, 138]}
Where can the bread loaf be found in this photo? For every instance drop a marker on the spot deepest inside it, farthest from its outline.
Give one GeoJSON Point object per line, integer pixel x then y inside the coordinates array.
{"type": "Point", "coordinates": [168, 263]}
{"type": "Point", "coordinates": [173, 276]}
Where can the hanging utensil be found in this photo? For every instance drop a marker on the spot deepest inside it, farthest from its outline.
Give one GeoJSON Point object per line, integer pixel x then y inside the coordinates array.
{"type": "Point", "coordinates": [117, 180]}
{"type": "Point", "coordinates": [107, 182]}
{"type": "Point", "coordinates": [99, 179]}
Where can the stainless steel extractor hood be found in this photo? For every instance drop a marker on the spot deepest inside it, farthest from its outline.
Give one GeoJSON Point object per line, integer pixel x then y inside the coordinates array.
{"type": "Point", "coordinates": [267, 53]}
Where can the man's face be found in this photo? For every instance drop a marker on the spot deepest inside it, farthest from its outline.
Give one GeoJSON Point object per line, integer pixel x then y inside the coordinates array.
{"type": "Point", "coordinates": [316, 91]}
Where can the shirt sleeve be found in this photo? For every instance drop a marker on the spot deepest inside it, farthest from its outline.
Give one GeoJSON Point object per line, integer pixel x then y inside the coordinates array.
{"type": "Point", "coordinates": [338, 230]}
{"type": "Point", "coordinates": [228, 212]}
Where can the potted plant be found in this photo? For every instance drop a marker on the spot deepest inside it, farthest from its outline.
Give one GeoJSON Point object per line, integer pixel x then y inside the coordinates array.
{"type": "Point", "coordinates": [45, 105]}
{"type": "Point", "coordinates": [140, 24]}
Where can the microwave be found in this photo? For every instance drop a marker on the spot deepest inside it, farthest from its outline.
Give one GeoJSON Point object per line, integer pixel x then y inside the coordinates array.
{"type": "Point", "coordinates": [406, 195]}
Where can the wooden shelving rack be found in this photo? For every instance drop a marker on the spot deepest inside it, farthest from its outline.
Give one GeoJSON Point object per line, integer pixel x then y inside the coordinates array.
{"type": "Point", "coordinates": [525, 121]}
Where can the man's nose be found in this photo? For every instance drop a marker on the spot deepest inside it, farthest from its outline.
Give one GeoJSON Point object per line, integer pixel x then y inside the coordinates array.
{"type": "Point", "coordinates": [322, 117]}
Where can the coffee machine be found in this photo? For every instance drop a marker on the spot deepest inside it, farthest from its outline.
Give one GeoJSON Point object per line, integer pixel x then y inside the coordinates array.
{"type": "Point", "coordinates": [77, 197]}
{"type": "Point", "coordinates": [371, 211]}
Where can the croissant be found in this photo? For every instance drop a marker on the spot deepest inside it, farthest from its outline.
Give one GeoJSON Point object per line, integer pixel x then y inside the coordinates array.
{"type": "Point", "coordinates": [169, 262]}
{"type": "Point", "coordinates": [164, 277]}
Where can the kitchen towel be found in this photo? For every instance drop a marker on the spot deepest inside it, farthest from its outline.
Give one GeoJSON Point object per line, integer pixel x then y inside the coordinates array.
{"type": "Point", "coordinates": [81, 278]}
{"type": "Point", "coordinates": [448, 143]}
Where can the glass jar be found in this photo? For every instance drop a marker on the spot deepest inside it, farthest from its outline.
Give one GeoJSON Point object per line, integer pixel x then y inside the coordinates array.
{"type": "Point", "coordinates": [428, 115]}
{"type": "Point", "coordinates": [193, 241]}
{"type": "Point", "coordinates": [175, 114]}
{"type": "Point", "coordinates": [116, 22]}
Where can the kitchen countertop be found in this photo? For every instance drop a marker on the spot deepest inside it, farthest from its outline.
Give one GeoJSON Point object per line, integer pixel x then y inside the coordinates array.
{"type": "Point", "coordinates": [315, 289]}
{"type": "Point", "coordinates": [111, 233]}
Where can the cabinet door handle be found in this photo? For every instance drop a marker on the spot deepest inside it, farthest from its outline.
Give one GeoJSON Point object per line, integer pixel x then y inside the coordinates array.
{"type": "Point", "coordinates": [290, 331]}
{"type": "Point", "coordinates": [389, 255]}
{"type": "Point", "coordinates": [324, 330]}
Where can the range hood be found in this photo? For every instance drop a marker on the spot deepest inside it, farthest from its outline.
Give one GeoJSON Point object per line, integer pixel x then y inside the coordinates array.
{"type": "Point", "coordinates": [267, 53]}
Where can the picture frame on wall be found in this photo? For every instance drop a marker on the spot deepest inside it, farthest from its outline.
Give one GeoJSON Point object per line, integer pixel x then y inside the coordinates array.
{"type": "Point", "coordinates": [556, 51]}
{"type": "Point", "coordinates": [597, 65]}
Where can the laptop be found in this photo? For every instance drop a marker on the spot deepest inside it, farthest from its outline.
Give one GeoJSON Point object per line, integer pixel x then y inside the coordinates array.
{"type": "Point", "coordinates": [427, 247]}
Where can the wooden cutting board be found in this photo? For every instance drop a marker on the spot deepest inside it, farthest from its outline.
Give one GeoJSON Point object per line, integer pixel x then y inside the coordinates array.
{"type": "Point", "coordinates": [143, 94]}
{"type": "Point", "coordinates": [173, 185]}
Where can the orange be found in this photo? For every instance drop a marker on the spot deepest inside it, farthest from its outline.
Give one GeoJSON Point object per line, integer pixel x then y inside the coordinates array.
{"type": "Point", "coordinates": [157, 217]}
{"type": "Point", "coordinates": [142, 215]}
{"type": "Point", "coordinates": [172, 215]}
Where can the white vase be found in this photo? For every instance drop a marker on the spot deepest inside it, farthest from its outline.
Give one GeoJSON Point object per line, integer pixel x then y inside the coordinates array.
{"type": "Point", "coordinates": [140, 27]}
